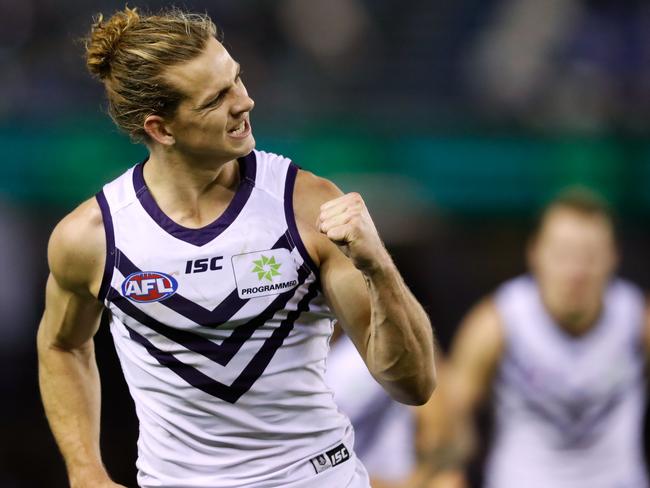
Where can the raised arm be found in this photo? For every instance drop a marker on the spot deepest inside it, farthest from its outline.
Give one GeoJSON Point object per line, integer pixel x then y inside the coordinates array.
{"type": "Point", "coordinates": [365, 290]}
{"type": "Point", "coordinates": [68, 376]}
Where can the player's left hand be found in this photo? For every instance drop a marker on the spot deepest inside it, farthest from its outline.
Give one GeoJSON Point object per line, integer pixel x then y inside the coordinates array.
{"type": "Point", "coordinates": [347, 222]}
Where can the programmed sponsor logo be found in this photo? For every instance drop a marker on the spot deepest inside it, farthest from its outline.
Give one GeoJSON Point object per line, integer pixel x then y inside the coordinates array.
{"type": "Point", "coordinates": [148, 286]}
{"type": "Point", "coordinates": [262, 273]}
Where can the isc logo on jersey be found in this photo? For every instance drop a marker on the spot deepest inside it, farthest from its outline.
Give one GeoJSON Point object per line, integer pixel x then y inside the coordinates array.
{"type": "Point", "coordinates": [148, 286]}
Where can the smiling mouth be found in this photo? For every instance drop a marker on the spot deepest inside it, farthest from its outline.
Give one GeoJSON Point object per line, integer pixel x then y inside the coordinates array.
{"type": "Point", "coordinates": [241, 131]}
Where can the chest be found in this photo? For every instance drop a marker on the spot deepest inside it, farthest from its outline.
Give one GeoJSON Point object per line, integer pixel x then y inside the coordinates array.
{"type": "Point", "coordinates": [574, 375]}
{"type": "Point", "coordinates": [250, 264]}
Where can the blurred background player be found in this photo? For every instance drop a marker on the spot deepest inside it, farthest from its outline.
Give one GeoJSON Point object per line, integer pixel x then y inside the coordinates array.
{"type": "Point", "coordinates": [563, 351]}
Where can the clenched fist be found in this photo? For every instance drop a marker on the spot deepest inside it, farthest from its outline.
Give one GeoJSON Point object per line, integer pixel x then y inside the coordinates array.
{"type": "Point", "coordinates": [347, 222]}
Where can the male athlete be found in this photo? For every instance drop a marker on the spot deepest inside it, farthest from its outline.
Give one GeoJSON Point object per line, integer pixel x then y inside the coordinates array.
{"type": "Point", "coordinates": [563, 351]}
{"type": "Point", "coordinates": [223, 269]}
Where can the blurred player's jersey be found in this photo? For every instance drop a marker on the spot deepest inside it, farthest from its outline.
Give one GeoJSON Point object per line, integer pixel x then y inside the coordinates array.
{"type": "Point", "coordinates": [222, 333]}
{"type": "Point", "coordinates": [569, 410]}
{"type": "Point", "coordinates": [384, 429]}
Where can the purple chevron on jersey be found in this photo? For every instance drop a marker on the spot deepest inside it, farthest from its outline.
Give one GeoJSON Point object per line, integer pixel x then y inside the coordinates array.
{"type": "Point", "coordinates": [219, 353]}
{"type": "Point", "coordinates": [193, 311]}
{"type": "Point", "coordinates": [249, 375]}
{"type": "Point", "coordinates": [198, 237]}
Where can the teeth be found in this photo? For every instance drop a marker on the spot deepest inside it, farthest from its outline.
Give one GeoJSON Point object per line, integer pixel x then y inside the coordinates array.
{"type": "Point", "coordinates": [239, 129]}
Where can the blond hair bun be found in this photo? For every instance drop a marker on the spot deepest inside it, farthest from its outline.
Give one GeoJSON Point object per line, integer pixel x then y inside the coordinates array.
{"type": "Point", "coordinates": [104, 40]}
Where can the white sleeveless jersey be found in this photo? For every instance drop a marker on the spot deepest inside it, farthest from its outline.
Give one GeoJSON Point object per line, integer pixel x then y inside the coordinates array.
{"type": "Point", "coordinates": [222, 333]}
{"type": "Point", "coordinates": [384, 430]}
{"type": "Point", "coordinates": [569, 410]}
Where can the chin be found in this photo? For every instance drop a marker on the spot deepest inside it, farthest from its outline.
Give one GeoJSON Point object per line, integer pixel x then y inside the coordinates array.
{"type": "Point", "coordinates": [251, 143]}
{"type": "Point", "coordinates": [245, 148]}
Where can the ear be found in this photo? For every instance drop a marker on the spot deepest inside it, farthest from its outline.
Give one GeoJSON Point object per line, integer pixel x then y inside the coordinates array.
{"type": "Point", "coordinates": [158, 130]}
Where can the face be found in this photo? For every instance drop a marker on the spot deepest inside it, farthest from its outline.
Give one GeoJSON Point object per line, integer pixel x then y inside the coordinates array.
{"type": "Point", "coordinates": [212, 123]}
{"type": "Point", "coordinates": [573, 258]}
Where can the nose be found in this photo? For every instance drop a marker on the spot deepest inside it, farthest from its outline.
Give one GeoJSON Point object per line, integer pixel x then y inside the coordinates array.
{"type": "Point", "coordinates": [248, 104]}
{"type": "Point", "coordinates": [244, 103]}
{"type": "Point", "coordinates": [579, 272]}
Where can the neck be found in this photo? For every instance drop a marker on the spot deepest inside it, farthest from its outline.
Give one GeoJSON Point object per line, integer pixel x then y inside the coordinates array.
{"type": "Point", "coordinates": [576, 321]}
{"type": "Point", "coordinates": [187, 177]}
{"type": "Point", "coordinates": [192, 195]}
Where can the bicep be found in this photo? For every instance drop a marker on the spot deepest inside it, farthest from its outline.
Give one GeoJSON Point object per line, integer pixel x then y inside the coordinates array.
{"type": "Point", "coordinates": [75, 256]}
{"type": "Point", "coordinates": [475, 355]}
{"type": "Point", "coordinates": [343, 285]}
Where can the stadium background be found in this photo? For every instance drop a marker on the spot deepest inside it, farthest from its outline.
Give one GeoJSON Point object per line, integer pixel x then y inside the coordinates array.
{"type": "Point", "coordinates": [455, 119]}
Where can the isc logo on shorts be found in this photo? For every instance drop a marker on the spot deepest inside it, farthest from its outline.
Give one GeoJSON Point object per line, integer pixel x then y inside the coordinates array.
{"type": "Point", "coordinates": [330, 458]}
{"type": "Point", "coordinates": [148, 286]}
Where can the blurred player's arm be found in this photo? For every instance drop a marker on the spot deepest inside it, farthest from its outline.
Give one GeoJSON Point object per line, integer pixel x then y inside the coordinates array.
{"type": "Point", "coordinates": [388, 326]}
{"type": "Point", "coordinates": [68, 376]}
{"type": "Point", "coordinates": [475, 355]}
{"type": "Point", "coordinates": [467, 379]}
{"type": "Point", "coordinates": [441, 443]}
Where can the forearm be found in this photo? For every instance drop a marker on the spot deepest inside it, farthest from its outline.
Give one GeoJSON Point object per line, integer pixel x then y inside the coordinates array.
{"type": "Point", "coordinates": [70, 389]}
{"type": "Point", "coordinates": [400, 340]}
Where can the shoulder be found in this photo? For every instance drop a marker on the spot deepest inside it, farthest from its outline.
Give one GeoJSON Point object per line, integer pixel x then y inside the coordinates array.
{"type": "Point", "coordinates": [485, 315]}
{"type": "Point", "coordinates": [630, 303]}
{"type": "Point", "coordinates": [516, 288]}
{"type": "Point", "coordinates": [625, 290]}
{"type": "Point", "coordinates": [311, 192]}
{"type": "Point", "coordinates": [483, 327]}
{"type": "Point", "coordinates": [77, 248]}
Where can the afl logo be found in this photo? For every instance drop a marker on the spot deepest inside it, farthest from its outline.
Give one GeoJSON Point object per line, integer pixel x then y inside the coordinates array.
{"type": "Point", "coordinates": [148, 286]}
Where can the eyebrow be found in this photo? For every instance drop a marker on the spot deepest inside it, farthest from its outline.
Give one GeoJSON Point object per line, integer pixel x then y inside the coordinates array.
{"type": "Point", "coordinates": [220, 92]}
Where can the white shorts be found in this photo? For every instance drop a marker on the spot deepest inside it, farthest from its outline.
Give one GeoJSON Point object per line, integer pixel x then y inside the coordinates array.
{"type": "Point", "coordinates": [337, 466]}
